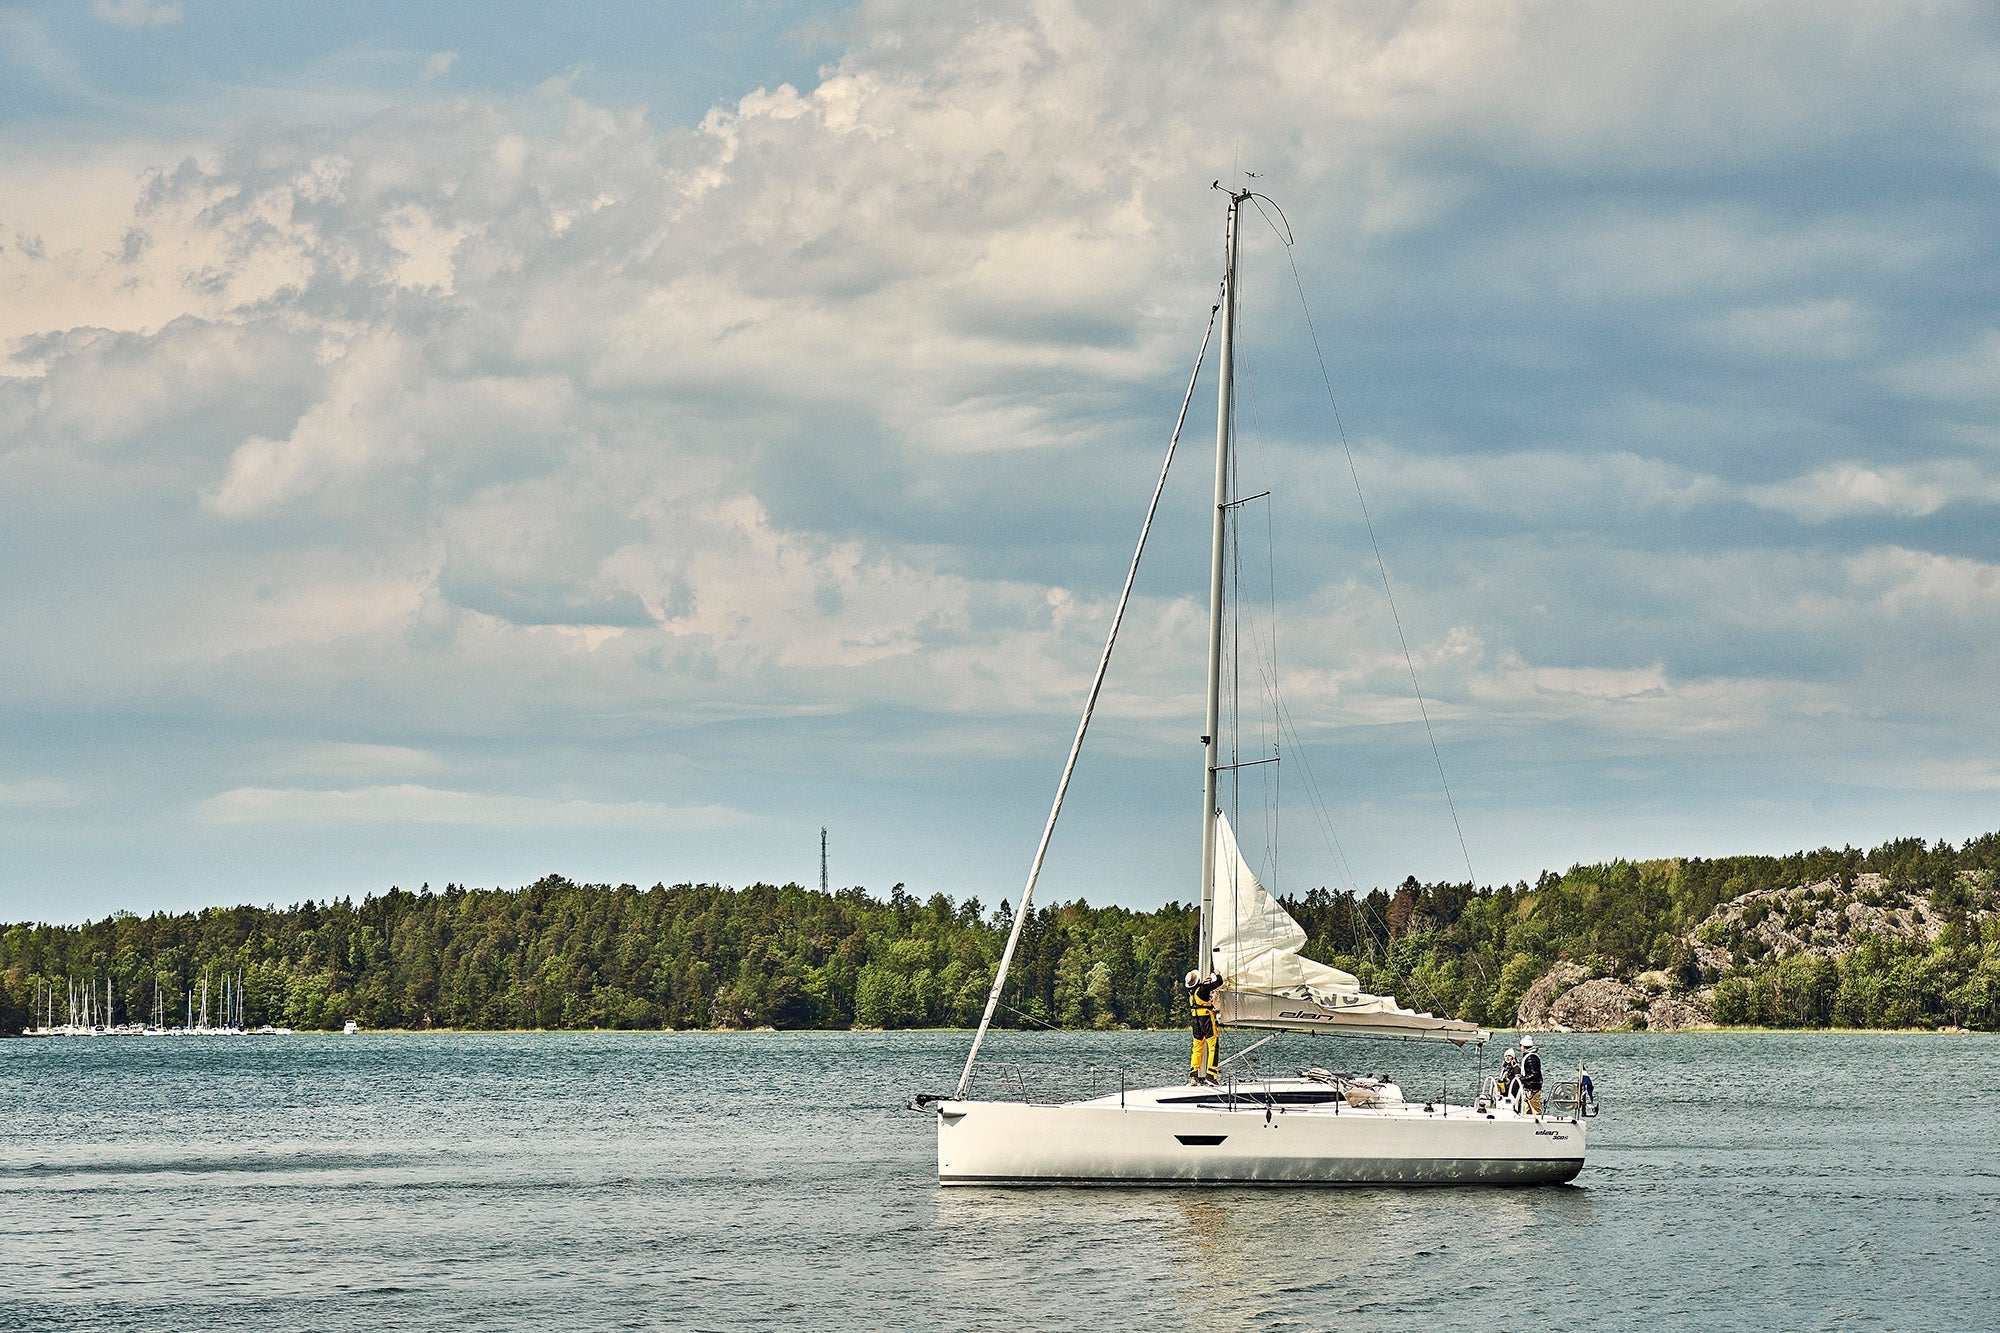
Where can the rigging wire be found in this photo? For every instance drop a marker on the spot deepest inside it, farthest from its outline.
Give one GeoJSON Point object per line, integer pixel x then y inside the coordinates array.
{"type": "Point", "coordinates": [1089, 707]}
{"type": "Point", "coordinates": [1376, 927]}
{"type": "Point", "coordinates": [1264, 646]}
{"type": "Point", "coordinates": [1277, 770]}
{"type": "Point", "coordinates": [1117, 1059]}
{"type": "Point", "coordinates": [1381, 566]}
{"type": "Point", "coordinates": [1364, 918]}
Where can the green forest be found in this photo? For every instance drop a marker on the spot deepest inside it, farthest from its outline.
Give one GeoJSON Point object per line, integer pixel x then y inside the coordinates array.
{"type": "Point", "coordinates": [558, 954]}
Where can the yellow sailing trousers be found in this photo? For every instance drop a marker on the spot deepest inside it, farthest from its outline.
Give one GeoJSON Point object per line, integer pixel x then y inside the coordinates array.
{"type": "Point", "coordinates": [1203, 1059]}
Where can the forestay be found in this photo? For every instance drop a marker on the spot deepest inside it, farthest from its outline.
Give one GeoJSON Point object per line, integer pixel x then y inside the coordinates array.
{"type": "Point", "coordinates": [1270, 984]}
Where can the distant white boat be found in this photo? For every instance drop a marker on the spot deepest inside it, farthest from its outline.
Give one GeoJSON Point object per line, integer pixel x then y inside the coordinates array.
{"type": "Point", "coordinates": [350, 1028]}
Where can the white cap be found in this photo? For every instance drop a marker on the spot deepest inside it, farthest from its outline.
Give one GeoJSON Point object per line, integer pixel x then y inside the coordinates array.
{"type": "Point", "coordinates": [1527, 1043]}
{"type": "Point", "coordinates": [1510, 1053]}
{"type": "Point", "coordinates": [1191, 978]}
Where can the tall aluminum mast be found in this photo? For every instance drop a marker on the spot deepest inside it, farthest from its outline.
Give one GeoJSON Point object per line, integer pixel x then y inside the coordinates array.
{"type": "Point", "coordinates": [1211, 738]}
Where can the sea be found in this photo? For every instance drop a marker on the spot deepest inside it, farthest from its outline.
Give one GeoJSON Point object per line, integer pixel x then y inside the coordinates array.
{"type": "Point", "coordinates": [770, 1180]}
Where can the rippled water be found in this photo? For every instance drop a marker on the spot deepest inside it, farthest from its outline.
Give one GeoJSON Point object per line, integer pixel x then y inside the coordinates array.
{"type": "Point", "coordinates": [771, 1180]}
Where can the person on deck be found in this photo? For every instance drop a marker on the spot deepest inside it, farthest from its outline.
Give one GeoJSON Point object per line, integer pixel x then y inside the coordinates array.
{"type": "Point", "coordinates": [1201, 1011]}
{"type": "Point", "coordinates": [1508, 1085]}
{"type": "Point", "coordinates": [1531, 1074]}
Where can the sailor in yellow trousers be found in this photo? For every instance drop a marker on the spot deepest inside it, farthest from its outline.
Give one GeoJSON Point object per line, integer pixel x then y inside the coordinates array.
{"type": "Point", "coordinates": [1201, 1009]}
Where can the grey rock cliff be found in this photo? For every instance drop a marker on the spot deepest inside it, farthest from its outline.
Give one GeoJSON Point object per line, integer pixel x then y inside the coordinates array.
{"type": "Point", "coordinates": [1601, 1004]}
{"type": "Point", "coordinates": [1533, 1014]}
{"type": "Point", "coordinates": [1825, 917]}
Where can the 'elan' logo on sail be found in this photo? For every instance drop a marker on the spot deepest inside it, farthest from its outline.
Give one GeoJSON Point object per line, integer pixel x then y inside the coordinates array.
{"type": "Point", "coordinates": [1302, 1013]}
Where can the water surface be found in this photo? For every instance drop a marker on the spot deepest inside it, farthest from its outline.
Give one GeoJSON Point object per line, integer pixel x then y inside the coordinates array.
{"type": "Point", "coordinates": [772, 1180]}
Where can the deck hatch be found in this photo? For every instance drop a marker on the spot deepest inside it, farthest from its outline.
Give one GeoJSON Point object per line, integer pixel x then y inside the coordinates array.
{"type": "Point", "coordinates": [1309, 1097]}
{"type": "Point", "coordinates": [1201, 1140]}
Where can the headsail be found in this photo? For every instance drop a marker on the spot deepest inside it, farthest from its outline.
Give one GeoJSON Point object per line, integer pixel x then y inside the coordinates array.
{"type": "Point", "coordinates": [1269, 983]}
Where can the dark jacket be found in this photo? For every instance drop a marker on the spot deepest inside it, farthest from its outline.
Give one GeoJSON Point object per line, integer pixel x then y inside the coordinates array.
{"type": "Point", "coordinates": [1531, 1071]}
{"type": "Point", "coordinates": [1201, 1005]}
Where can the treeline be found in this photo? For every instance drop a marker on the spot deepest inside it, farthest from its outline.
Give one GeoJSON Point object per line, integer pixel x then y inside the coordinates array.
{"type": "Point", "coordinates": [1473, 955]}
{"type": "Point", "coordinates": [557, 954]}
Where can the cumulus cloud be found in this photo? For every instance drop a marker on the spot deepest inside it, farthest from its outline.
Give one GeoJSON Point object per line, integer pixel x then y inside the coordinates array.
{"type": "Point", "coordinates": [414, 804]}
{"type": "Point", "coordinates": [1847, 489]}
{"type": "Point", "coordinates": [529, 424]}
{"type": "Point", "coordinates": [1814, 330]}
{"type": "Point", "coordinates": [1967, 373]}
{"type": "Point", "coordinates": [37, 792]}
{"type": "Point", "coordinates": [137, 13]}
{"type": "Point", "coordinates": [362, 757]}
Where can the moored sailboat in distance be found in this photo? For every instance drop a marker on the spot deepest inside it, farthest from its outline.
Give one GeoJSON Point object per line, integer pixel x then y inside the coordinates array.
{"type": "Point", "coordinates": [1317, 1127]}
{"type": "Point", "coordinates": [89, 1011]}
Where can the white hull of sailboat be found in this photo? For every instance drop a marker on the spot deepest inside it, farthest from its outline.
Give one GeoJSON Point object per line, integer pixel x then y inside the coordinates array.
{"type": "Point", "coordinates": [1102, 1143]}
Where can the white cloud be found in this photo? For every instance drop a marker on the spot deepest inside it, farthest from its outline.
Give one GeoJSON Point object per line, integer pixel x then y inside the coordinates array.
{"type": "Point", "coordinates": [1967, 374]}
{"type": "Point", "coordinates": [538, 422]}
{"type": "Point", "coordinates": [1902, 581]}
{"type": "Point", "coordinates": [137, 13]}
{"type": "Point", "coordinates": [38, 792]}
{"type": "Point", "coordinates": [358, 757]}
{"type": "Point", "coordinates": [1929, 775]}
{"type": "Point", "coordinates": [1646, 702]}
{"type": "Point", "coordinates": [1852, 488]}
{"type": "Point", "coordinates": [1525, 486]}
{"type": "Point", "coordinates": [409, 803]}
{"type": "Point", "coordinates": [1814, 330]}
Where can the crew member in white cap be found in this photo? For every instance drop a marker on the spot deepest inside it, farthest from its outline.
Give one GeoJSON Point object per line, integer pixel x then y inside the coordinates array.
{"type": "Point", "coordinates": [1508, 1085]}
{"type": "Point", "coordinates": [1531, 1074]}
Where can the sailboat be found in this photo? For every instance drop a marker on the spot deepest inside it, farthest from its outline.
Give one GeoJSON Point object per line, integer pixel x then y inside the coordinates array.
{"type": "Point", "coordinates": [1315, 1128]}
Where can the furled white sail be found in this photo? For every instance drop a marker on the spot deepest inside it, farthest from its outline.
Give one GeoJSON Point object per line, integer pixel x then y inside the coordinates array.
{"type": "Point", "coordinates": [1269, 983]}
{"type": "Point", "coordinates": [1256, 941]}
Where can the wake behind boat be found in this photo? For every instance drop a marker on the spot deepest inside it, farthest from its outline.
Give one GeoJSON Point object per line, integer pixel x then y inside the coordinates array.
{"type": "Point", "coordinates": [1316, 1128]}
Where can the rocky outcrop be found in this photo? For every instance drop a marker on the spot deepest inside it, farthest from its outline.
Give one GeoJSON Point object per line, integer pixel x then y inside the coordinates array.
{"type": "Point", "coordinates": [1825, 917]}
{"type": "Point", "coordinates": [1602, 1004]}
{"type": "Point", "coordinates": [1822, 917]}
{"type": "Point", "coordinates": [1533, 1014]}
{"type": "Point", "coordinates": [1673, 1012]}
{"type": "Point", "coordinates": [1567, 998]}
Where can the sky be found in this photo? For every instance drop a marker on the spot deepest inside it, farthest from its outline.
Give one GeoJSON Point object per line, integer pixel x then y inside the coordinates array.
{"type": "Point", "coordinates": [468, 442]}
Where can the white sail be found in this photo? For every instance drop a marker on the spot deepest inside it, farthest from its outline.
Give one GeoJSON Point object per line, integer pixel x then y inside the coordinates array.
{"type": "Point", "coordinates": [1268, 983]}
{"type": "Point", "coordinates": [1256, 941]}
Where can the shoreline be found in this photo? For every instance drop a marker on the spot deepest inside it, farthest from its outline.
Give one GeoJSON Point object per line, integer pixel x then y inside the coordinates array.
{"type": "Point", "coordinates": [1062, 1032]}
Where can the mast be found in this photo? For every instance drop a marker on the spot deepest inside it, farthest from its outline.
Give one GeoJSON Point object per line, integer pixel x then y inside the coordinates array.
{"type": "Point", "coordinates": [1211, 737]}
